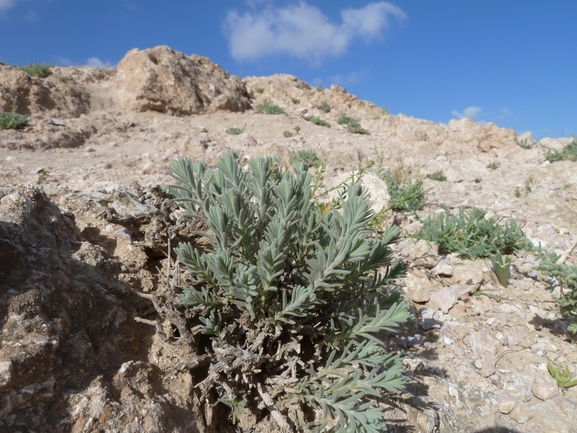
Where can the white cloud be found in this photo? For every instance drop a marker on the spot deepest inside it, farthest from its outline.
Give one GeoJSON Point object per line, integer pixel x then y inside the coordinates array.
{"type": "Point", "coordinates": [31, 17]}
{"type": "Point", "coordinates": [7, 4]}
{"type": "Point", "coordinates": [468, 113]}
{"type": "Point", "coordinates": [350, 78]}
{"type": "Point", "coordinates": [95, 62]}
{"type": "Point", "coordinates": [303, 31]}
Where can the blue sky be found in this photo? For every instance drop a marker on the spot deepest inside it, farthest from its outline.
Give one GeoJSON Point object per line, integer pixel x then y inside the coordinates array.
{"type": "Point", "coordinates": [511, 62]}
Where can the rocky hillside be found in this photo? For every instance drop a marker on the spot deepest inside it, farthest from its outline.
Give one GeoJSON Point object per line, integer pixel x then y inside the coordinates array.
{"type": "Point", "coordinates": [85, 228]}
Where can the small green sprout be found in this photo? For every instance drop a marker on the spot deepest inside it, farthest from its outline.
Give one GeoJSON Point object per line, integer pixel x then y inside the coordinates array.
{"type": "Point", "coordinates": [502, 267]}
{"type": "Point", "coordinates": [564, 378]}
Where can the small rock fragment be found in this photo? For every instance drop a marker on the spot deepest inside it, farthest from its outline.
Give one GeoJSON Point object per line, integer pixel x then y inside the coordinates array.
{"type": "Point", "coordinates": [506, 402]}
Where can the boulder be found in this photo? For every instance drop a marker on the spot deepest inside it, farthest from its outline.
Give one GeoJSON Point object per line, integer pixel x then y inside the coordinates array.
{"type": "Point", "coordinates": [167, 81]}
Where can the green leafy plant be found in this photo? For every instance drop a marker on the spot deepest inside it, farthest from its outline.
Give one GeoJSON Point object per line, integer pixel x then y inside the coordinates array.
{"type": "Point", "coordinates": [286, 301]}
{"type": "Point", "coordinates": [439, 176]}
{"type": "Point", "coordinates": [268, 107]}
{"type": "Point", "coordinates": [502, 267]}
{"type": "Point", "coordinates": [309, 157]}
{"type": "Point", "coordinates": [296, 101]}
{"type": "Point", "coordinates": [405, 194]}
{"type": "Point", "coordinates": [568, 152]}
{"type": "Point", "coordinates": [472, 235]}
{"type": "Point", "coordinates": [297, 129]}
{"type": "Point", "coordinates": [13, 120]}
{"type": "Point", "coordinates": [319, 88]}
{"type": "Point", "coordinates": [236, 131]}
{"type": "Point", "coordinates": [41, 70]}
{"type": "Point", "coordinates": [324, 107]}
{"type": "Point", "coordinates": [477, 180]}
{"type": "Point", "coordinates": [287, 134]}
{"type": "Point", "coordinates": [564, 378]}
{"type": "Point", "coordinates": [259, 90]}
{"type": "Point", "coordinates": [320, 122]}
{"type": "Point", "coordinates": [566, 275]}
{"type": "Point", "coordinates": [494, 165]}
{"type": "Point", "coordinates": [353, 125]}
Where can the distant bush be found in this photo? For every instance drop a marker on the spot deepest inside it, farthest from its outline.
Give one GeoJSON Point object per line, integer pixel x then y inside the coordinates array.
{"type": "Point", "coordinates": [324, 107]}
{"type": "Point", "coordinates": [268, 107]}
{"type": "Point", "coordinates": [13, 120]}
{"type": "Point", "coordinates": [405, 194]}
{"type": "Point", "coordinates": [439, 176]}
{"type": "Point", "coordinates": [569, 152]}
{"type": "Point", "coordinates": [296, 101]}
{"type": "Point", "coordinates": [471, 235]}
{"type": "Point", "coordinates": [259, 90]}
{"type": "Point", "coordinates": [41, 70]}
{"type": "Point", "coordinates": [494, 165]}
{"type": "Point", "coordinates": [309, 157]}
{"type": "Point", "coordinates": [353, 125]}
{"type": "Point", "coordinates": [320, 122]}
{"type": "Point", "coordinates": [287, 134]}
{"type": "Point", "coordinates": [236, 131]}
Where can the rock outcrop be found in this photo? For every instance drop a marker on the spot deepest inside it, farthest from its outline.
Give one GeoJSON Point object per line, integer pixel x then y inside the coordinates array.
{"type": "Point", "coordinates": [163, 80]}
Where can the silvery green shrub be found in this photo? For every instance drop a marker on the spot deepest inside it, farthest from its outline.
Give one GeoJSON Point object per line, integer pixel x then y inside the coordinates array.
{"type": "Point", "coordinates": [287, 298]}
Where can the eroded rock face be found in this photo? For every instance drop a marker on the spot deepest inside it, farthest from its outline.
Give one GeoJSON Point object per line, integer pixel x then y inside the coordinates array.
{"type": "Point", "coordinates": [62, 321]}
{"type": "Point", "coordinates": [163, 80]}
{"type": "Point", "coordinates": [57, 95]}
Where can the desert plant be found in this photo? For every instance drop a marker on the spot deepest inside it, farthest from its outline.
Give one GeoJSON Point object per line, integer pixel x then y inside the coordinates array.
{"type": "Point", "coordinates": [236, 131]}
{"type": "Point", "coordinates": [287, 301]}
{"type": "Point", "coordinates": [353, 125]}
{"type": "Point", "coordinates": [297, 129]}
{"type": "Point", "coordinates": [439, 176]}
{"type": "Point", "coordinates": [309, 157]}
{"type": "Point", "coordinates": [287, 134]}
{"type": "Point", "coordinates": [259, 90]}
{"type": "Point", "coordinates": [319, 88]}
{"type": "Point", "coordinates": [471, 235]}
{"type": "Point", "coordinates": [324, 107]}
{"type": "Point", "coordinates": [494, 165]}
{"type": "Point", "coordinates": [405, 194]}
{"type": "Point", "coordinates": [13, 120]}
{"type": "Point", "coordinates": [525, 143]}
{"type": "Point", "coordinates": [320, 122]}
{"type": "Point", "coordinates": [566, 275]}
{"type": "Point", "coordinates": [477, 180]}
{"type": "Point", "coordinates": [564, 378]}
{"type": "Point", "coordinates": [296, 101]}
{"type": "Point", "coordinates": [568, 152]}
{"type": "Point", "coordinates": [502, 267]}
{"type": "Point", "coordinates": [41, 70]}
{"type": "Point", "coordinates": [268, 107]}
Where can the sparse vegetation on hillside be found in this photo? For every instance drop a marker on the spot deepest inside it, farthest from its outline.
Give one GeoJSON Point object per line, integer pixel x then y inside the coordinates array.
{"type": "Point", "coordinates": [438, 175]}
{"type": "Point", "coordinates": [236, 131]}
{"type": "Point", "coordinates": [568, 152]}
{"type": "Point", "coordinates": [287, 134]}
{"type": "Point", "coordinates": [405, 193]}
{"type": "Point", "coordinates": [324, 107]}
{"type": "Point", "coordinates": [286, 300]}
{"type": "Point", "coordinates": [41, 70]}
{"type": "Point", "coordinates": [268, 107]}
{"type": "Point", "coordinates": [494, 165]}
{"type": "Point", "coordinates": [353, 125]}
{"type": "Point", "coordinates": [320, 122]}
{"type": "Point", "coordinates": [471, 235]}
{"type": "Point", "coordinates": [309, 157]}
{"type": "Point", "coordinates": [13, 120]}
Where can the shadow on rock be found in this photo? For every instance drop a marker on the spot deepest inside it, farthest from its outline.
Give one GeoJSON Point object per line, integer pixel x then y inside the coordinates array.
{"type": "Point", "coordinates": [72, 357]}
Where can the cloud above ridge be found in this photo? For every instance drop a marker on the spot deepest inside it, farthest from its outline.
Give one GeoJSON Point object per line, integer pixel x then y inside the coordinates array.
{"type": "Point", "coordinates": [303, 31]}
{"type": "Point", "coordinates": [468, 113]}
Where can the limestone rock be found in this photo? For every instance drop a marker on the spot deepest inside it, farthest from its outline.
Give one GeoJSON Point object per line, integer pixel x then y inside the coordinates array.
{"type": "Point", "coordinates": [163, 80]}
{"type": "Point", "coordinates": [424, 254]}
